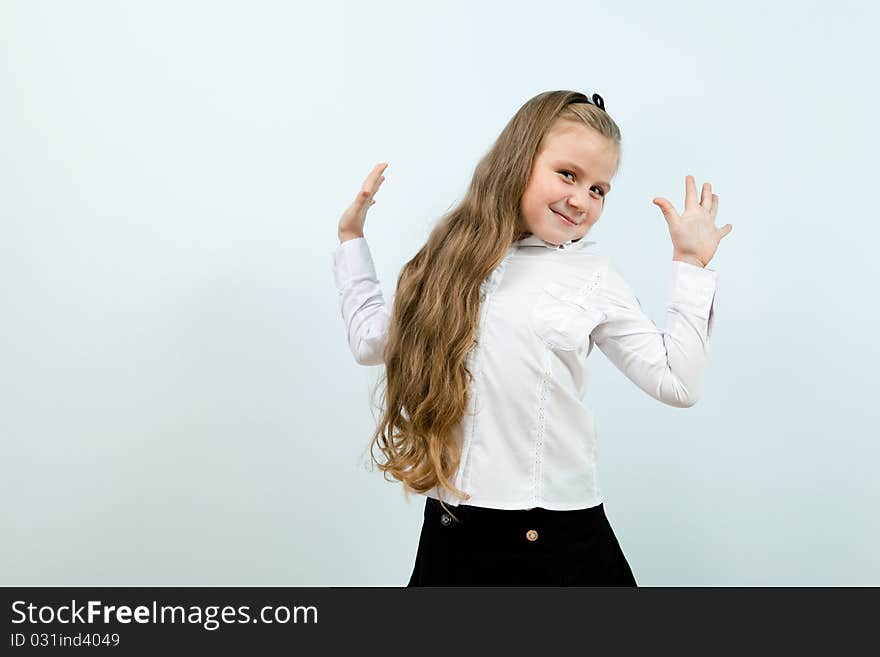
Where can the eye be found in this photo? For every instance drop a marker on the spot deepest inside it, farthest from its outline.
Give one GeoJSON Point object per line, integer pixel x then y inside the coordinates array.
{"type": "Point", "coordinates": [564, 172]}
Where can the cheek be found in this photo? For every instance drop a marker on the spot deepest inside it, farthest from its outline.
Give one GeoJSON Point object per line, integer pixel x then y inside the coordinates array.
{"type": "Point", "coordinates": [542, 194]}
{"type": "Point", "coordinates": [535, 198]}
{"type": "Point", "coordinates": [550, 192]}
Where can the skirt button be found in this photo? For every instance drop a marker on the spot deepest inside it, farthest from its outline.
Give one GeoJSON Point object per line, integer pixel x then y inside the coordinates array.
{"type": "Point", "coordinates": [532, 535]}
{"type": "Point", "coordinates": [445, 519]}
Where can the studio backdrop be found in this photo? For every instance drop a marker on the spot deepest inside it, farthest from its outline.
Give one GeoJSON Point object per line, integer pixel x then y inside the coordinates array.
{"type": "Point", "coordinates": [178, 402]}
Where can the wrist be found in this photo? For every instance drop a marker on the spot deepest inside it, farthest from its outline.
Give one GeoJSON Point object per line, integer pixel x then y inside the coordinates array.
{"type": "Point", "coordinates": [345, 236]}
{"type": "Point", "coordinates": [690, 259]}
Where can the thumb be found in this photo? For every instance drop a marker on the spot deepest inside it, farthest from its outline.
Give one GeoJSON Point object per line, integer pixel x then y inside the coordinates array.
{"type": "Point", "coordinates": [665, 206]}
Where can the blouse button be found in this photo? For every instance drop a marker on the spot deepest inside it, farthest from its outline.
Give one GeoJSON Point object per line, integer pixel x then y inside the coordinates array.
{"type": "Point", "coordinates": [445, 519]}
{"type": "Point", "coordinates": [532, 535]}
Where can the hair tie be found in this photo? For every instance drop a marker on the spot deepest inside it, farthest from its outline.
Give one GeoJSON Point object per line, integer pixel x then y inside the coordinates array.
{"type": "Point", "coordinates": [597, 101]}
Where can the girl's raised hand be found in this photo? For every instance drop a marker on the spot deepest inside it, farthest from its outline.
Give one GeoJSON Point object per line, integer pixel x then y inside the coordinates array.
{"type": "Point", "coordinates": [693, 233]}
{"type": "Point", "coordinates": [351, 224]}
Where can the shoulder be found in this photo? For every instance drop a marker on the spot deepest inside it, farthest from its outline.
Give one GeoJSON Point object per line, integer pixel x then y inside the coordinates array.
{"type": "Point", "coordinates": [614, 286]}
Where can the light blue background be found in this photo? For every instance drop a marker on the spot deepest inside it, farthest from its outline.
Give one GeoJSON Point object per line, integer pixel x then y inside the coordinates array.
{"type": "Point", "coordinates": [178, 404]}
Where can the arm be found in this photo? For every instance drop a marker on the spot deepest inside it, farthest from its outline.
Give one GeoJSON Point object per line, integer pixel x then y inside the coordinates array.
{"type": "Point", "coordinates": [360, 299]}
{"type": "Point", "coordinates": [667, 364]}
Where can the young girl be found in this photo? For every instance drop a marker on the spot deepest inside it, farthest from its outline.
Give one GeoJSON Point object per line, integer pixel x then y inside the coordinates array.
{"type": "Point", "coordinates": [485, 346]}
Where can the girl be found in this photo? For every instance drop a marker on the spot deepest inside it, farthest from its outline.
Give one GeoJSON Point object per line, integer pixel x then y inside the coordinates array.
{"type": "Point", "coordinates": [485, 345]}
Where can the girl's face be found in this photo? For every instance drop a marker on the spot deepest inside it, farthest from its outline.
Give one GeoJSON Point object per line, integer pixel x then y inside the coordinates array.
{"type": "Point", "coordinates": [570, 176]}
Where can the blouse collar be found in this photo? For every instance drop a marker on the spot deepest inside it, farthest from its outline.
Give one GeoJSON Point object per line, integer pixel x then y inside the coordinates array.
{"type": "Point", "coordinates": [534, 240]}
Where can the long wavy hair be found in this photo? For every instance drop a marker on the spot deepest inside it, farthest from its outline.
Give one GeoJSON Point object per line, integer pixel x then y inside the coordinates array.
{"type": "Point", "coordinates": [433, 323]}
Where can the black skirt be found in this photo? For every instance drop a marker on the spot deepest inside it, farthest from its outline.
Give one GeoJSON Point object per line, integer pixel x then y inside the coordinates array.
{"type": "Point", "coordinates": [478, 546]}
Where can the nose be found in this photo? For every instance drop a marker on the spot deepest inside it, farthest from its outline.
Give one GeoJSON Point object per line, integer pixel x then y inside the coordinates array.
{"type": "Point", "coordinates": [578, 205]}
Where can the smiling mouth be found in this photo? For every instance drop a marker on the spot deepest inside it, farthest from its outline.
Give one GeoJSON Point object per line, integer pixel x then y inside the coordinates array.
{"type": "Point", "coordinates": [563, 217]}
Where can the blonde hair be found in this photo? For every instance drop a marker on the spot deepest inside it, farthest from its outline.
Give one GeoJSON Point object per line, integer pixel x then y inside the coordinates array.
{"type": "Point", "coordinates": [434, 320]}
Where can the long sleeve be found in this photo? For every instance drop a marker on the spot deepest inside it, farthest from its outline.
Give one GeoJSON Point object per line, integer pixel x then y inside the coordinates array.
{"type": "Point", "coordinates": [361, 302]}
{"type": "Point", "coordinates": [667, 364]}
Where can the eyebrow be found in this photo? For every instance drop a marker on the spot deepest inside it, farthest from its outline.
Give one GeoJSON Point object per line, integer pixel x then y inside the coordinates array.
{"type": "Point", "coordinates": [580, 172]}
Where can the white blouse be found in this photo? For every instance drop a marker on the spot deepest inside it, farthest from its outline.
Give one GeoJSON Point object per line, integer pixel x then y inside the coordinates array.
{"type": "Point", "coordinates": [529, 438]}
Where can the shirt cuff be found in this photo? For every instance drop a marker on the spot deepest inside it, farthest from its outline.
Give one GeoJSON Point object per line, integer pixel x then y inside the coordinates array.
{"type": "Point", "coordinates": [352, 259]}
{"type": "Point", "coordinates": [694, 288]}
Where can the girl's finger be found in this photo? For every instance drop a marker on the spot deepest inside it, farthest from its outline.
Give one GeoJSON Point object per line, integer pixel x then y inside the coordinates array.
{"type": "Point", "coordinates": [372, 179]}
{"type": "Point", "coordinates": [375, 187]}
{"type": "Point", "coordinates": [690, 192]}
{"type": "Point", "coordinates": [706, 196]}
{"type": "Point", "coordinates": [666, 208]}
{"type": "Point", "coordinates": [371, 185]}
